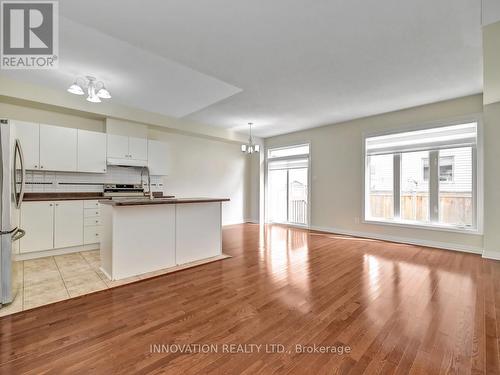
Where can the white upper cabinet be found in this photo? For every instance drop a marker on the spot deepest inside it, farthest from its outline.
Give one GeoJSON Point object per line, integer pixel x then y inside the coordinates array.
{"type": "Point", "coordinates": [58, 148]}
{"type": "Point", "coordinates": [91, 152]}
{"type": "Point", "coordinates": [138, 148]}
{"type": "Point", "coordinates": [117, 146]}
{"type": "Point", "coordinates": [28, 134]}
{"type": "Point", "coordinates": [158, 158]}
{"type": "Point", "coordinates": [123, 150]}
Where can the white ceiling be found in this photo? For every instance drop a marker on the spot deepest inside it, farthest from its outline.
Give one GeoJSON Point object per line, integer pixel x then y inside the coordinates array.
{"type": "Point", "coordinates": [134, 76]}
{"type": "Point", "coordinates": [299, 63]}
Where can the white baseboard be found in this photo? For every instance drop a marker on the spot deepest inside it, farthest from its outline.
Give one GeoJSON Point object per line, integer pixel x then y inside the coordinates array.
{"type": "Point", "coordinates": [252, 221]}
{"type": "Point", "coordinates": [241, 222]}
{"type": "Point", "coordinates": [54, 252]}
{"type": "Point", "coordinates": [491, 255]}
{"type": "Point", "coordinates": [405, 240]}
{"type": "Point", "coordinates": [105, 273]}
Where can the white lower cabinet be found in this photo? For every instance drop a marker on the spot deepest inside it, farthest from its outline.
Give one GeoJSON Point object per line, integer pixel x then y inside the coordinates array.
{"type": "Point", "coordinates": [37, 219]}
{"type": "Point", "coordinates": [92, 222]}
{"type": "Point", "coordinates": [68, 224]}
{"type": "Point", "coordinates": [91, 234]}
{"type": "Point", "coordinates": [59, 224]}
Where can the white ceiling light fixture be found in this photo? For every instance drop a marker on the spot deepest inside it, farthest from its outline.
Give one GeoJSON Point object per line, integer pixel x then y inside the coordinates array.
{"type": "Point", "coordinates": [250, 147]}
{"type": "Point", "coordinates": [95, 89]}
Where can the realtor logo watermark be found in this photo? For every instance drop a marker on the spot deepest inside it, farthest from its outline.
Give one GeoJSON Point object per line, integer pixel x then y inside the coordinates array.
{"type": "Point", "coordinates": [30, 35]}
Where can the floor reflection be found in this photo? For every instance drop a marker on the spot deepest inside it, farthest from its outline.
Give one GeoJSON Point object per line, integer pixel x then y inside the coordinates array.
{"type": "Point", "coordinates": [285, 256]}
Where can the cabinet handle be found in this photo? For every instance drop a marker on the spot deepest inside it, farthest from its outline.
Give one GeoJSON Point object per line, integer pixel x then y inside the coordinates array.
{"type": "Point", "coordinates": [36, 166]}
{"type": "Point", "coordinates": [57, 204]}
{"type": "Point", "coordinates": [97, 221]}
{"type": "Point", "coordinates": [41, 166]}
{"type": "Point", "coordinates": [50, 204]}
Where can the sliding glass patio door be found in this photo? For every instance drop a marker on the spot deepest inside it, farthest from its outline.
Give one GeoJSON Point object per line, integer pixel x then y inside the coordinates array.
{"type": "Point", "coordinates": [288, 185]}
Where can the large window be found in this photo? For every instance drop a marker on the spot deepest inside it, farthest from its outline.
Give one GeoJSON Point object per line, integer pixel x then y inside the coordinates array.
{"type": "Point", "coordinates": [424, 177]}
{"type": "Point", "coordinates": [287, 184]}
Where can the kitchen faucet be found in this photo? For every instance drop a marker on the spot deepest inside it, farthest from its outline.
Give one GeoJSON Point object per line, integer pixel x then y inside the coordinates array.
{"type": "Point", "coordinates": [150, 193]}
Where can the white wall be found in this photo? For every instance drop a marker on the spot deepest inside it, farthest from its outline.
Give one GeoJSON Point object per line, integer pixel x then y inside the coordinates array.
{"type": "Point", "coordinates": [337, 177]}
{"type": "Point", "coordinates": [492, 180]}
{"type": "Point", "coordinates": [207, 168]}
{"type": "Point", "coordinates": [491, 61]}
{"type": "Point", "coordinates": [491, 38]}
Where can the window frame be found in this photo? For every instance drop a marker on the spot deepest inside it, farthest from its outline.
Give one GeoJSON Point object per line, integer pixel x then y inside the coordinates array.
{"type": "Point", "coordinates": [309, 180]}
{"type": "Point", "coordinates": [477, 180]}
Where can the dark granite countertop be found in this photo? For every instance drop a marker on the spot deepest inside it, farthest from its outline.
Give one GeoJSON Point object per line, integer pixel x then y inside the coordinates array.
{"type": "Point", "coordinates": [34, 197]}
{"type": "Point", "coordinates": [146, 201]}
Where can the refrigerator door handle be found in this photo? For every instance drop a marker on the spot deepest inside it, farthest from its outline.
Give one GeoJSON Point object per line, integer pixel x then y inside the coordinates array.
{"type": "Point", "coordinates": [9, 231]}
{"type": "Point", "coordinates": [19, 150]}
{"type": "Point", "coordinates": [18, 234]}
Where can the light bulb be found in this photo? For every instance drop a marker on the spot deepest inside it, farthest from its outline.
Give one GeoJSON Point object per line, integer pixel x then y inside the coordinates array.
{"type": "Point", "coordinates": [75, 89]}
{"type": "Point", "coordinates": [93, 99]}
{"type": "Point", "coordinates": [103, 93]}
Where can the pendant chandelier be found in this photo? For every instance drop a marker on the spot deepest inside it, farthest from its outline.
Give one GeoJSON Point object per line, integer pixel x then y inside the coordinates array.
{"type": "Point", "coordinates": [250, 147]}
{"type": "Point", "coordinates": [95, 89]}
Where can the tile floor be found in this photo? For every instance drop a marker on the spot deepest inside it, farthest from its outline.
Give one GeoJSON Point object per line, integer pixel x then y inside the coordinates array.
{"type": "Point", "coordinates": [56, 278]}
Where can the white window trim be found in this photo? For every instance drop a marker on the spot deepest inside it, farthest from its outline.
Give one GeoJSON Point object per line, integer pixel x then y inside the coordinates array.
{"type": "Point", "coordinates": [477, 180]}
{"type": "Point", "coordinates": [309, 179]}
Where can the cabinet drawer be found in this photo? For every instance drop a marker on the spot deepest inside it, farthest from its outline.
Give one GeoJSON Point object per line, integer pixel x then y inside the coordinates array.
{"type": "Point", "coordinates": [91, 234]}
{"type": "Point", "coordinates": [92, 212]}
{"type": "Point", "coordinates": [91, 204]}
{"type": "Point", "coordinates": [91, 221]}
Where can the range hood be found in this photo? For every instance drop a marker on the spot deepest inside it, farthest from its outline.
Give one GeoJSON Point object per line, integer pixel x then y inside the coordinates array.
{"type": "Point", "coordinates": [126, 162]}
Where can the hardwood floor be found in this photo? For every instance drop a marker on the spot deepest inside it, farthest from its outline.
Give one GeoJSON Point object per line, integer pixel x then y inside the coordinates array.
{"type": "Point", "coordinates": [398, 308]}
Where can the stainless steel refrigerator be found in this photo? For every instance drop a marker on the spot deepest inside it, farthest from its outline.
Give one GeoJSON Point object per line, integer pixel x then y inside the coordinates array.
{"type": "Point", "coordinates": [12, 180]}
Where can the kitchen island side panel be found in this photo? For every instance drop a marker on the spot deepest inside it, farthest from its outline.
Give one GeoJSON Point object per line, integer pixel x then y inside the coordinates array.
{"type": "Point", "coordinates": [198, 231]}
{"type": "Point", "coordinates": [143, 239]}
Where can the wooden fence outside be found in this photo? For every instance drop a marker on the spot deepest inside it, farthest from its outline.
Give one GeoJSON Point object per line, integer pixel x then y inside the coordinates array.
{"type": "Point", "coordinates": [298, 211]}
{"type": "Point", "coordinates": [455, 208]}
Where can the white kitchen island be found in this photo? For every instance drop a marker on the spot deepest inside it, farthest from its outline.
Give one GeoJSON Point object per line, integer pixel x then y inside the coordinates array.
{"type": "Point", "coordinates": [143, 235]}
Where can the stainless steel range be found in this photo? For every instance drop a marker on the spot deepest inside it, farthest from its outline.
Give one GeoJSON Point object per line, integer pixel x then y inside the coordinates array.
{"type": "Point", "coordinates": [123, 190]}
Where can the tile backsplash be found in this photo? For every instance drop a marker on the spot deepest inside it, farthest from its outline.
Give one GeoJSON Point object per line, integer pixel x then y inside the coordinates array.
{"type": "Point", "coordinates": [50, 182]}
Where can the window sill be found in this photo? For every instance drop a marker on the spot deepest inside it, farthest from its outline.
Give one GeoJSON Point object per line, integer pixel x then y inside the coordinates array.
{"type": "Point", "coordinates": [416, 225]}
